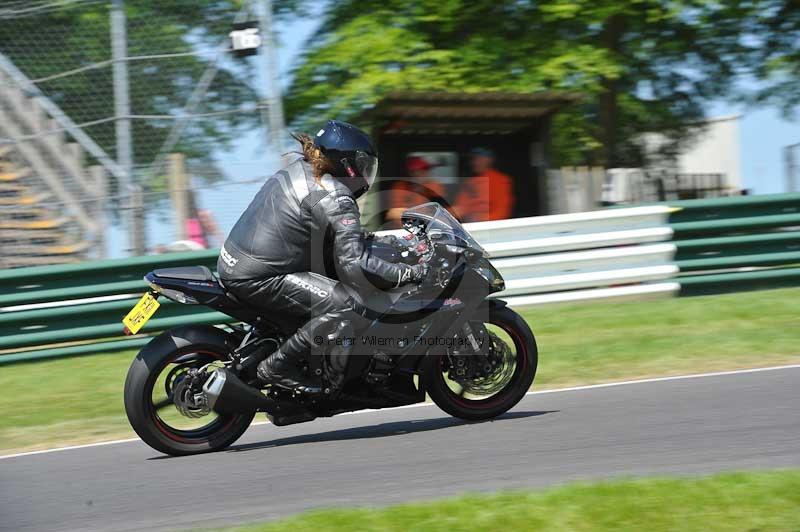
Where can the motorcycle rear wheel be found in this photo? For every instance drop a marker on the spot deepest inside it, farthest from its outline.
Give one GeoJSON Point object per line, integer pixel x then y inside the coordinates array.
{"type": "Point", "coordinates": [179, 349]}
{"type": "Point", "coordinates": [478, 409]}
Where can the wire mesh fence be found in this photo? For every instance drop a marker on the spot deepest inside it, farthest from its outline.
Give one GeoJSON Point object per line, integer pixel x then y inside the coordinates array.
{"type": "Point", "coordinates": [39, 228]}
{"type": "Point", "coordinates": [97, 97]}
{"type": "Point", "coordinates": [65, 192]}
{"type": "Point", "coordinates": [171, 48]}
{"type": "Point", "coordinates": [195, 214]}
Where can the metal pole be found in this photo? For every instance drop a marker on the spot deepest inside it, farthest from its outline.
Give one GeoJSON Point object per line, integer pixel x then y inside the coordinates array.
{"type": "Point", "coordinates": [275, 118]}
{"type": "Point", "coordinates": [100, 179]}
{"type": "Point", "coordinates": [179, 193]}
{"type": "Point", "coordinates": [122, 112]}
{"type": "Point", "coordinates": [791, 167]}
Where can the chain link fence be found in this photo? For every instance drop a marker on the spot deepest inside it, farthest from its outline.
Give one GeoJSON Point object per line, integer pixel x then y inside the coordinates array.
{"type": "Point", "coordinates": [85, 155]}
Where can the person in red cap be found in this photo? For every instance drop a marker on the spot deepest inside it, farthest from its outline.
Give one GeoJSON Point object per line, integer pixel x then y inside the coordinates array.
{"type": "Point", "coordinates": [420, 188]}
{"type": "Point", "coordinates": [488, 194]}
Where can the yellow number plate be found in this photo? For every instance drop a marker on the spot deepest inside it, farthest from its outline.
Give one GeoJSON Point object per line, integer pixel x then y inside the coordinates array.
{"type": "Point", "coordinates": [143, 311]}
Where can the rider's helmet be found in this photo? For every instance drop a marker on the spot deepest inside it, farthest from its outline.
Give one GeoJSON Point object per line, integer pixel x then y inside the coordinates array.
{"type": "Point", "coordinates": [350, 152]}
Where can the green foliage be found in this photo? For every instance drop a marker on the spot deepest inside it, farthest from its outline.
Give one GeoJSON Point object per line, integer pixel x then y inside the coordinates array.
{"type": "Point", "coordinates": [777, 62]}
{"type": "Point", "coordinates": [644, 65]}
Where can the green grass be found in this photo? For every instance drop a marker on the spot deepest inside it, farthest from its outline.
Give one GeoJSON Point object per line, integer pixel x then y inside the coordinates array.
{"type": "Point", "coordinates": [609, 341]}
{"type": "Point", "coordinates": [763, 501]}
{"type": "Point", "coordinates": [63, 401]}
{"type": "Point", "coordinates": [79, 399]}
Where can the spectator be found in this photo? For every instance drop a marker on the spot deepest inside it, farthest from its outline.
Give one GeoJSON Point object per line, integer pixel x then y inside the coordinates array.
{"type": "Point", "coordinates": [201, 228]}
{"type": "Point", "coordinates": [420, 188]}
{"type": "Point", "coordinates": [211, 230]}
{"type": "Point", "coordinates": [488, 194]}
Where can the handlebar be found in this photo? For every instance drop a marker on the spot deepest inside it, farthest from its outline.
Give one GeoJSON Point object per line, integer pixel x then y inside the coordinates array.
{"type": "Point", "coordinates": [416, 247]}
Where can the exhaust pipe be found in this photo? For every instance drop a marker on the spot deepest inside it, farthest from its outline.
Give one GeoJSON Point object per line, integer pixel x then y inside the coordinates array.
{"type": "Point", "coordinates": [227, 394]}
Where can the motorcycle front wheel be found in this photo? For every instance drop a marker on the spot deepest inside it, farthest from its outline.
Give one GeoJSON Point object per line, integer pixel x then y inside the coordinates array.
{"type": "Point", "coordinates": [160, 405]}
{"type": "Point", "coordinates": [497, 390]}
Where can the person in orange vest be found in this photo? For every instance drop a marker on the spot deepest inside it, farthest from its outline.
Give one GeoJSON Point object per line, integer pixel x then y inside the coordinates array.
{"type": "Point", "coordinates": [420, 188]}
{"type": "Point", "coordinates": [488, 194]}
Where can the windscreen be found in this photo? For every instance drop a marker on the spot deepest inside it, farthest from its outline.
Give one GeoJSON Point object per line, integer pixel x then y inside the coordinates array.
{"type": "Point", "coordinates": [440, 222]}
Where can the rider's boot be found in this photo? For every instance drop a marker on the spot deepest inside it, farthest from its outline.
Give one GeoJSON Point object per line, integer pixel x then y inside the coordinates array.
{"type": "Point", "coordinates": [280, 369]}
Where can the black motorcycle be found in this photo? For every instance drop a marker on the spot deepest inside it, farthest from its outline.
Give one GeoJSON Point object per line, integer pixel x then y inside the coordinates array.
{"type": "Point", "coordinates": [193, 389]}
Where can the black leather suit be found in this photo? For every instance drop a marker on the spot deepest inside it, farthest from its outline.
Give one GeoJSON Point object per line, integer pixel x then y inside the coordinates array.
{"type": "Point", "coordinates": [294, 239]}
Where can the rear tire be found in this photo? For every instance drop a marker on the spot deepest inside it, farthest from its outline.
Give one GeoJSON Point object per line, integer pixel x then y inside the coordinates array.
{"type": "Point", "coordinates": [204, 343]}
{"type": "Point", "coordinates": [521, 381]}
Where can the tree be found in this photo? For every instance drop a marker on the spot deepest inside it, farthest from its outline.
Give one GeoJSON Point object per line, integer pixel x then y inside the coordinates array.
{"type": "Point", "coordinates": [775, 57]}
{"type": "Point", "coordinates": [642, 65]}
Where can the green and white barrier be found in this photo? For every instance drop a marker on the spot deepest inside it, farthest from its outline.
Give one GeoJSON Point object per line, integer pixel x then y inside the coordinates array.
{"type": "Point", "coordinates": [684, 248]}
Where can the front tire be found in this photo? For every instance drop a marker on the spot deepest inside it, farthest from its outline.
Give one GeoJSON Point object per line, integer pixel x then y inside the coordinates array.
{"type": "Point", "coordinates": [479, 409]}
{"type": "Point", "coordinates": [183, 347]}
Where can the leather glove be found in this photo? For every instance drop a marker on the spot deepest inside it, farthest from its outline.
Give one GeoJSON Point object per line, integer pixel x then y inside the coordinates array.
{"type": "Point", "coordinates": [419, 272]}
{"type": "Point", "coordinates": [389, 239]}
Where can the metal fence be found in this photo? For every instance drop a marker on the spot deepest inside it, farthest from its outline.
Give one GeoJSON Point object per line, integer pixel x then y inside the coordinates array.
{"type": "Point", "coordinates": [580, 189]}
{"type": "Point", "coordinates": [37, 227]}
{"type": "Point", "coordinates": [94, 97]}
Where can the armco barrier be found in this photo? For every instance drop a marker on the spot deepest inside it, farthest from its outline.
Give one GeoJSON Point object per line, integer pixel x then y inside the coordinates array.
{"type": "Point", "coordinates": [737, 243]}
{"type": "Point", "coordinates": [25, 286]}
{"type": "Point", "coordinates": [684, 248]}
{"type": "Point", "coordinates": [595, 255]}
{"type": "Point", "coordinates": [563, 232]}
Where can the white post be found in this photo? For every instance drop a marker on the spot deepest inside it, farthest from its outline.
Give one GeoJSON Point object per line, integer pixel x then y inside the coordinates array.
{"type": "Point", "coordinates": [179, 193]}
{"type": "Point", "coordinates": [792, 167]}
{"type": "Point", "coordinates": [100, 180]}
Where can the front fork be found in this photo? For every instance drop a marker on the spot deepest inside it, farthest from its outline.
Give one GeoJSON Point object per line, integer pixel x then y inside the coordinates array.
{"type": "Point", "coordinates": [474, 364]}
{"type": "Point", "coordinates": [470, 336]}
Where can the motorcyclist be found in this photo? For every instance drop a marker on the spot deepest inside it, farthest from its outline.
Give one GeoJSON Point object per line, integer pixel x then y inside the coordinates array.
{"type": "Point", "coordinates": [300, 232]}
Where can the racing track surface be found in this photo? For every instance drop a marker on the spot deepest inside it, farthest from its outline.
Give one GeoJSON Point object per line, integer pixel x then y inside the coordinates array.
{"type": "Point", "coordinates": [691, 426]}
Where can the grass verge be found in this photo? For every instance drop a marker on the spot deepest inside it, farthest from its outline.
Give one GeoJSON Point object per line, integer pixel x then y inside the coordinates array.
{"type": "Point", "coordinates": [76, 400]}
{"type": "Point", "coordinates": [726, 502]}
{"type": "Point", "coordinates": [583, 344]}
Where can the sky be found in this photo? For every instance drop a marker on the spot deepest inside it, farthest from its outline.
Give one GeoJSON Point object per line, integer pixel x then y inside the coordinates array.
{"type": "Point", "coordinates": [763, 133]}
